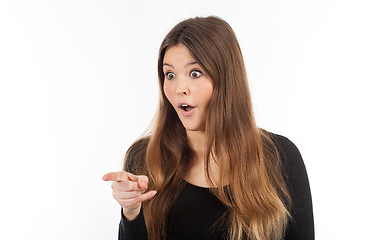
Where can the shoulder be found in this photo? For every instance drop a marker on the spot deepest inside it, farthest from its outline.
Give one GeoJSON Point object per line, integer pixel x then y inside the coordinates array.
{"type": "Point", "coordinates": [291, 160]}
{"type": "Point", "coordinates": [135, 156]}
{"type": "Point", "coordinates": [284, 144]}
{"type": "Point", "coordinates": [292, 163]}
{"type": "Point", "coordinates": [289, 152]}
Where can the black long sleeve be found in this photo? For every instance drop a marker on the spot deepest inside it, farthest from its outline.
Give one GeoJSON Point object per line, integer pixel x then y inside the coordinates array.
{"type": "Point", "coordinates": [196, 208]}
{"type": "Point", "coordinates": [135, 229]}
{"type": "Point", "coordinates": [301, 227]}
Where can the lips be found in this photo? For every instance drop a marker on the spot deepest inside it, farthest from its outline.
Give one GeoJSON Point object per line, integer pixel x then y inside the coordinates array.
{"type": "Point", "coordinates": [186, 109]}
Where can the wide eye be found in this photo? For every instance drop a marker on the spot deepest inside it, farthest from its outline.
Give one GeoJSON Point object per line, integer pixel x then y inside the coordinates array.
{"type": "Point", "coordinates": [170, 75]}
{"type": "Point", "coordinates": [195, 74]}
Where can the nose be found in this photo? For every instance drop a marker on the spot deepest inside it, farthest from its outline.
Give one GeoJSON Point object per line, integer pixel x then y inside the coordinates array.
{"type": "Point", "coordinates": [182, 88]}
{"type": "Point", "coordinates": [182, 91]}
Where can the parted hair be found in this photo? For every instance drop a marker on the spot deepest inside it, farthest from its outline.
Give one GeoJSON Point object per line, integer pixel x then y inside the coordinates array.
{"type": "Point", "coordinates": [256, 197]}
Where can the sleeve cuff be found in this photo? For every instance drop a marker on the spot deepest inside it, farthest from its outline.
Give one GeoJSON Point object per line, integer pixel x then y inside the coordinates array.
{"type": "Point", "coordinates": [135, 229]}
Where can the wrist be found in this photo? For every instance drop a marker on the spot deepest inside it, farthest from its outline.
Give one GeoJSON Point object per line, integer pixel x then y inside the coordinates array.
{"type": "Point", "coordinates": [131, 214]}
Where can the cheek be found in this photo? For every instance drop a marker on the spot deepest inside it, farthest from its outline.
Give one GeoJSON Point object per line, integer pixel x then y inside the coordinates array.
{"type": "Point", "coordinates": [207, 93]}
{"type": "Point", "coordinates": [168, 90]}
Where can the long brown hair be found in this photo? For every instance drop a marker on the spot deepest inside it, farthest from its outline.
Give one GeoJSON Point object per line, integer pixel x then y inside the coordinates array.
{"type": "Point", "coordinates": [257, 197]}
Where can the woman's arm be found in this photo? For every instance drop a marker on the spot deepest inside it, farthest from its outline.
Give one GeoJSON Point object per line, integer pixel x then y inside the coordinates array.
{"type": "Point", "coordinates": [129, 191]}
{"type": "Point", "coordinates": [133, 230]}
{"type": "Point", "coordinates": [301, 226]}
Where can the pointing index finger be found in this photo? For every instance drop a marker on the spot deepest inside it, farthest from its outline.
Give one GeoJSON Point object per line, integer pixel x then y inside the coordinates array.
{"type": "Point", "coordinates": [122, 176]}
{"type": "Point", "coordinates": [116, 176]}
{"type": "Point", "coordinates": [132, 177]}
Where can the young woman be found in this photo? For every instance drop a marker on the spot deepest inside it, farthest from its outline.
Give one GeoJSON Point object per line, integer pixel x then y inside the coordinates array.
{"type": "Point", "coordinates": [206, 171]}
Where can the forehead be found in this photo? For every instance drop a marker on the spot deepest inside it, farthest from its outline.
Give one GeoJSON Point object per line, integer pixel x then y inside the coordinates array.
{"type": "Point", "coordinates": [177, 53]}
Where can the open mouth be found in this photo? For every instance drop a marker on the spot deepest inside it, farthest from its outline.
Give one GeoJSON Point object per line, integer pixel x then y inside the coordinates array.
{"type": "Point", "coordinates": [186, 107]}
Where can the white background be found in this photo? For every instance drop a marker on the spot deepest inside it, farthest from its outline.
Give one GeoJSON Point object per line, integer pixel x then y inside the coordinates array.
{"type": "Point", "coordinates": [79, 85]}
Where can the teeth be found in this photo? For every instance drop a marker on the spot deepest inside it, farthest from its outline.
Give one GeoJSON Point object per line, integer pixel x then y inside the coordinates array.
{"type": "Point", "coordinates": [184, 106]}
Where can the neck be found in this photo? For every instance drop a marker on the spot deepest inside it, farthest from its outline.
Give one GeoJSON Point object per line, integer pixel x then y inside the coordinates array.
{"type": "Point", "coordinates": [196, 174]}
{"type": "Point", "coordinates": [197, 143]}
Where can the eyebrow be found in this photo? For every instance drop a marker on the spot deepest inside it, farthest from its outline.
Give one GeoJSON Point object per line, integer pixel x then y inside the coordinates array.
{"type": "Point", "coordinates": [187, 65]}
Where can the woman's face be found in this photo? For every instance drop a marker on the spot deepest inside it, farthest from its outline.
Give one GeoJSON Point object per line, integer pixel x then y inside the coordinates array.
{"type": "Point", "coordinates": [187, 87]}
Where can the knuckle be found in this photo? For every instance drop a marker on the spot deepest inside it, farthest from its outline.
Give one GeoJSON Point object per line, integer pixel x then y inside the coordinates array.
{"type": "Point", "coordinates": [115, 195]}
{"type": "Point", "coordinates": [118, 176]}
{"type": "Point", "coordinates": [121, 175]}
{"type": "Point", "coordinates": [130, 185]}
{"type": "Point", "coordinates": [122, 203]}
{"type": "Point", "coordinates": [144, 178]}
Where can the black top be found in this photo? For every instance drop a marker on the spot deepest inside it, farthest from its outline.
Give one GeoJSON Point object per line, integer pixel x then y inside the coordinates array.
{"type": "Point", "coordinates": [198, 214]}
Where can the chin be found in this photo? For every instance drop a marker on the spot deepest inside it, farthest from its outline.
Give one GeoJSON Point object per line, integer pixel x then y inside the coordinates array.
{"type": "Point", "coordinates": [193, 128]}
{"type": "Point", "coordinates": [191, 125]}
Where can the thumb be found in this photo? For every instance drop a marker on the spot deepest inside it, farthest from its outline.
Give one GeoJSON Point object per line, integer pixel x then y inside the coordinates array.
{"type": "Point", "coordinates": [142, 181]}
